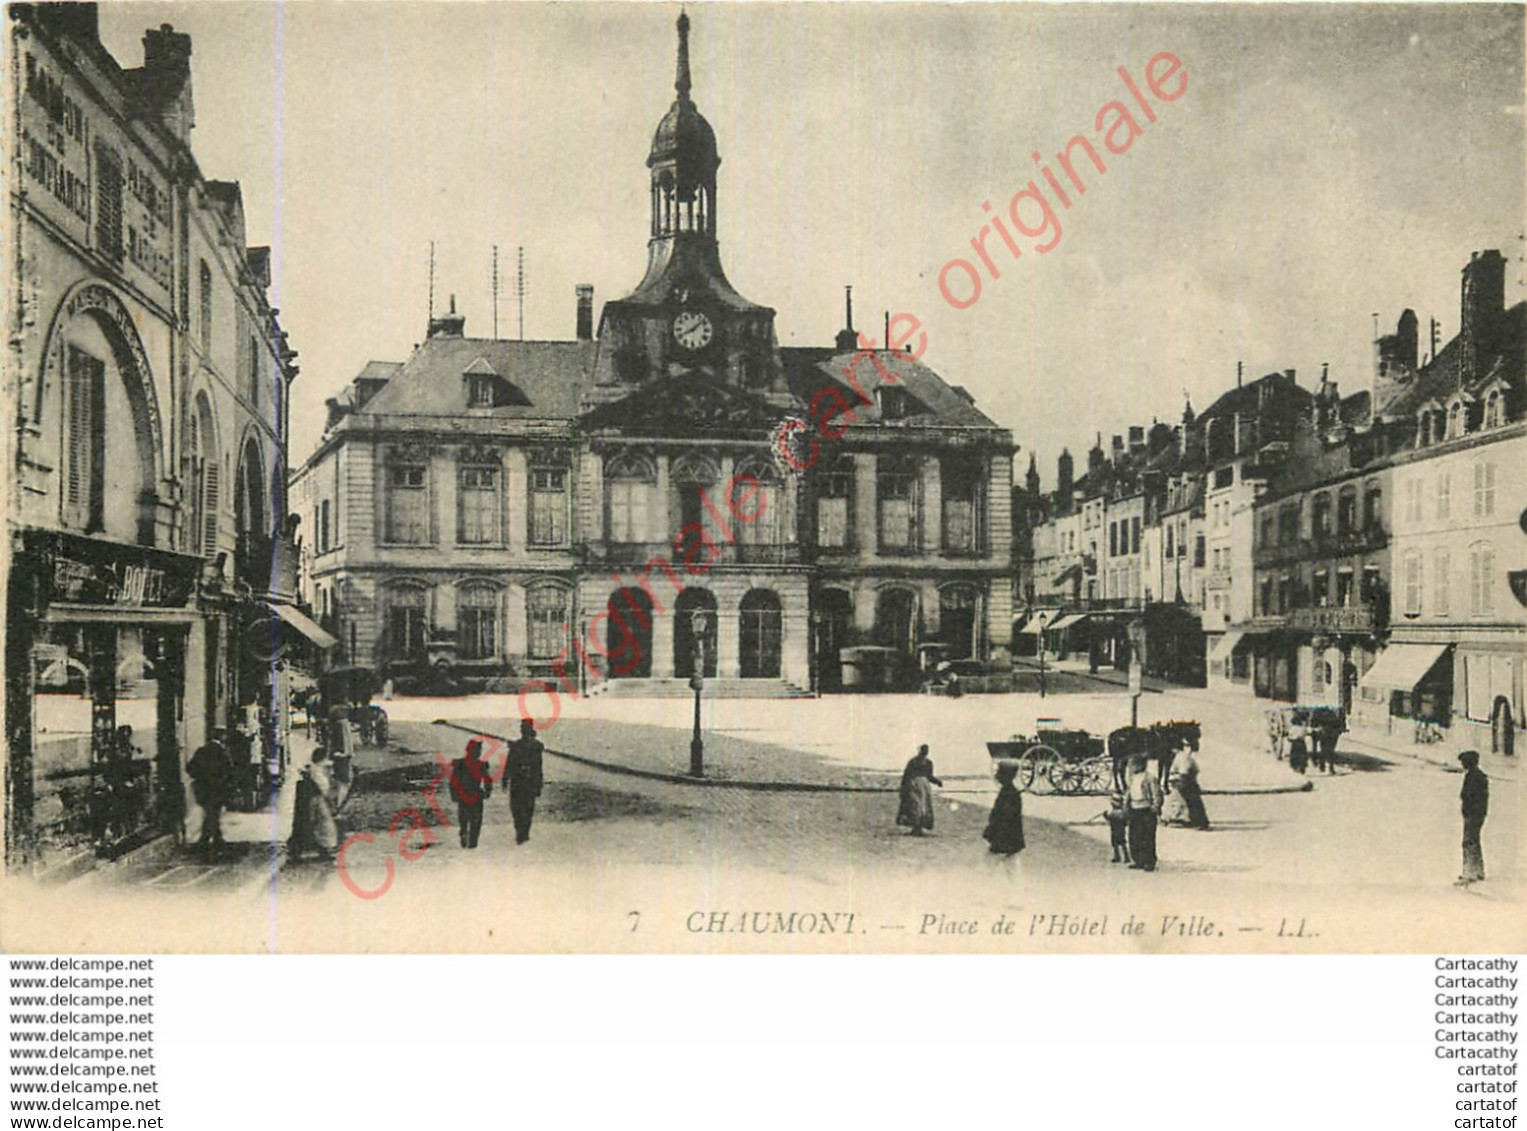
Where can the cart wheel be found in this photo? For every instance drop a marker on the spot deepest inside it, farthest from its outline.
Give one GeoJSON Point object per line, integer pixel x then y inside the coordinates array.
{"type": "Point", "coordinates": [1099, 776]}
{"type": "Point", "coordinates": [1046, 764]}
{"type": "Point", "coordinates": [1025, 777]}
{"type": "Point", "coordinates": [1069, 778]}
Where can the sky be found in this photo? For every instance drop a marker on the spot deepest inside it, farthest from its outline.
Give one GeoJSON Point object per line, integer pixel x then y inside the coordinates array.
{"type": "Point", "coordinates": [1325, 163]}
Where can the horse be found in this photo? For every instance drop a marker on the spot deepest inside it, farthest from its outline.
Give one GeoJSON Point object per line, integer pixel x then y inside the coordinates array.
{"type": "Point", "coordinates": [1160, 741]}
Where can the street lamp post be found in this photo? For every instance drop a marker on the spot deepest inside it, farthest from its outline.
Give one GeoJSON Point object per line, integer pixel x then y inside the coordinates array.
{"type": "Point", "coordinates": [1042, 621]}
{"type": "Point", "coordinates": [697, 681]}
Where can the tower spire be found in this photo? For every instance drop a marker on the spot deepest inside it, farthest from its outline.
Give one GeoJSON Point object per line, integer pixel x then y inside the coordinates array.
{"type": "Point", "coordinates": [681, 79]}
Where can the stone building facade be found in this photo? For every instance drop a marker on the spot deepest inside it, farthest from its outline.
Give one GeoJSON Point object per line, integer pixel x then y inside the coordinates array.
{"type": "Point", "coordinates": [150, 562]}
{"type": "Point", "coordinates": [672, 488]}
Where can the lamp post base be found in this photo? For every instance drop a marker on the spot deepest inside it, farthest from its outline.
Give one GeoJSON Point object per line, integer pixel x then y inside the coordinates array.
{"type": "Point", "coordinates": [697, 758]}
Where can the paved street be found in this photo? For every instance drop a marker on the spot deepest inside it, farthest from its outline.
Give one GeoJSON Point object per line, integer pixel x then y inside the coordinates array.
{"type": "Point", "coordinates": [799, 817]}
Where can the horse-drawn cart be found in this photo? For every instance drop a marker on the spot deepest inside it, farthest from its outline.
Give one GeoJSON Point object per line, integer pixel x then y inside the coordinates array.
{"type": "Point", "coordinates": [1057, 760]}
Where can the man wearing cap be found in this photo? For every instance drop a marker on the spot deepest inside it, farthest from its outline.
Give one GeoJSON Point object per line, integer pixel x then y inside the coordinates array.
{"type": "Point", "coordinates": [522, 772]}
{"type": "Point", "coordinates": [1475, 802]}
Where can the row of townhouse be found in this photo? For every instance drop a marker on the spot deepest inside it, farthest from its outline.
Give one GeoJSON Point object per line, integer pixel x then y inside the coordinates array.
{"type": "Point", "coordinates": [149, 559]}
{"type": "Point", "coordinates": [1137, 552]}
{"type": "Point", "coordinates": [668, 490]}
{"type": "Point", "coordinates": [1388, 562]}
{"type": "Point", "coordinates": [1363, 551]}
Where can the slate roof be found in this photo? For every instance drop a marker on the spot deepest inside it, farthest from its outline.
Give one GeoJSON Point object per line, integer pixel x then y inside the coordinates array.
{"type": "Point", "coordinates": [1444, 376]}
{"type": "Point", "coordinates": [551, 375]}
{"type": "Point", "coordinates": [808, 370]}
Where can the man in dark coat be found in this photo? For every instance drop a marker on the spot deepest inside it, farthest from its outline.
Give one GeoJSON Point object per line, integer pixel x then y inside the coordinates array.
{"type": "Point", "coordinates": [1475, 802]}
{"type": "Point", "coordinates": [210, 771]}
{"type": "Point", "coordinates": [523, 775]}
{"type": "Point", "coordinates": [472, 783]}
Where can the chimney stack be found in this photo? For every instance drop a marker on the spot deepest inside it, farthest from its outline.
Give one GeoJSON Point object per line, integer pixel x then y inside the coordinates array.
{"type": "Point", "coordinates": [585, 292]}
{"type": "Point", "coordinates": [1483, 300]}
{"type": "Point", "coordinates": [848, 338]}
{"type": "Point", "coordinates": [1065, 483]}
{"type": "Point", "coordinates": [450, 325]}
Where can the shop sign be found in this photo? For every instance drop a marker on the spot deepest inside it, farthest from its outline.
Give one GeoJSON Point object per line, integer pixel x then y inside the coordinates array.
{"type": "Point", "coordinates": [83, 571]}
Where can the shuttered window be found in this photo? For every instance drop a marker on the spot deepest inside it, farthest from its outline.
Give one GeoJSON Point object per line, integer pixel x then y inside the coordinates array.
{"type": "Point", "coordinates": [108, 204]}
{"type": "Point", "coordinates": [85, 441]}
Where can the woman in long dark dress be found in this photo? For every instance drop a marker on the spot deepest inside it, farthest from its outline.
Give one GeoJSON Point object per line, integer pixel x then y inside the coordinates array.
{"type": "Point", "coordinates": [1004, 829]}
{"type": "Point", "coordinates": [917, 782]}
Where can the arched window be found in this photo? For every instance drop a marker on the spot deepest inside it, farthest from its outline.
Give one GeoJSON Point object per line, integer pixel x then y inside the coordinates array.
{"type": "Point", "coordinates": [546, 609]}
{"type": "Point", "coordinates": [630, 481]}
{"type": "Point", "coordinates": [1455, 420]}
{"type": "Point", "coordinates": [406, 611]}
{"type": "Point", "coordinates": [757, 503]}
{"type": "Point", "coordinates": [477, 621]}
{"type": "Point", "coordinates": [957, 606]}
{"type": "Point", "coordinates": [691, 474]}
{"type": "Point", "coordinates": [896, 620]}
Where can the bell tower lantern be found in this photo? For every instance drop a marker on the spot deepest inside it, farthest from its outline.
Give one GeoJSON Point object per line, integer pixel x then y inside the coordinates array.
{"type": "Point", "coordinates": [683, 162]}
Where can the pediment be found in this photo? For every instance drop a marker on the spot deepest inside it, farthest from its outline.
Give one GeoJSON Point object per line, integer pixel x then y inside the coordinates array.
{"type": "Point", "coordinates": [688, 404]}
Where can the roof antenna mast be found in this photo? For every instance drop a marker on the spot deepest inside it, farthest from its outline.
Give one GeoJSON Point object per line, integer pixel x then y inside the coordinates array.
{"type": "Point", "coordinates": [494, 283]}
{"type": "Point", "coordinates": [431, 280]}
{"type": "Point", "coordinates": [520, 289]}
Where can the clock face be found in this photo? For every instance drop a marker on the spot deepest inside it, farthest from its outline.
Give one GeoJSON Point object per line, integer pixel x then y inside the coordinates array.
{"type": "Point", "coordinates": [692, 330]}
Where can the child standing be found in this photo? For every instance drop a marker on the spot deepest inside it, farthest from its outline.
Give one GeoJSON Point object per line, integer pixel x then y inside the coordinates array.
{"type": "Point", "coordinates": [1117, 824]}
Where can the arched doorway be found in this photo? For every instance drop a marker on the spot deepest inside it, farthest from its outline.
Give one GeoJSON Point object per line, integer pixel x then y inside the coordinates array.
{"type": "Point", "coordinates": [690, 602]}
{"type": "Point", "coordinates": [762, 631]}
{"type": "Point", "coordinates": [834, 618]}
{"type": "Point", "coordinates": [631, 656]}
{"type": "Point", "coordinates": [957, 621]}
{"type": "Point", "coordinates": [896, 620]}
{"type": "Point", "coordinates": [1502, 729]}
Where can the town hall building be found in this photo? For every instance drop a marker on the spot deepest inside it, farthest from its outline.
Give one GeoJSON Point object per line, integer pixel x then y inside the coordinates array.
{"type": "Point", "coordinates": [672, 490]}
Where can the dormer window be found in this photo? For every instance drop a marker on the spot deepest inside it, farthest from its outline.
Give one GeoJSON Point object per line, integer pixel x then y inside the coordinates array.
{"type": "Point", "coordinates": [480, 390]}
{"type": "Point", "coordinates": [1456, 420]}
{"type": "Point", "coordinates": [1495, 408]}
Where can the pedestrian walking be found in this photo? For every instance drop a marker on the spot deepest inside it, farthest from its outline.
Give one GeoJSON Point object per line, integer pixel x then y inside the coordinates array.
{"type": "Point", "coordinates": [917, 782]}
{"type": "Point", "coordinates": [1298, 750]}
{"type": "Point", "coordinates": [1144, 806]}
{"type": "Point", "coordinates": [210, 771]}
{"type": "Point", "coordinates": [1004, 829]}
{"type": "Point", "coordinates": [1326, 736]}
{"type": "Point", "coordinates": [472, 783]}
{"type": "Point", "coordinates": [1185, 782]}
{"type": "Point", "coordinates": [522, 771]}
{"type": "Point", "coordinates": [1117, 817]}
{"type": "Point", "coordinates": [1475, 802]}
{"type": "Point", "coordinates": [315, 831]}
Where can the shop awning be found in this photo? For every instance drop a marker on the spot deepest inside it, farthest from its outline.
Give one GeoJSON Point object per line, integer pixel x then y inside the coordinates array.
{"type": "Point", "coordinates": [304, 625]}
{"type": "Point", "coordinates": [1033, 628]}
{"type": "Point", "coordinates": [1401, 666]}
{"type": "Point", "coordinates": [1068, 621]}
{"type": "Point", "coordinates": [1225, 645]}
{"type": "Point", "coordinates": [1067, 574]}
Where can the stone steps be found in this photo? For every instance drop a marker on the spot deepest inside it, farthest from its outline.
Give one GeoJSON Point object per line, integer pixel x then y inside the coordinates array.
{"type": "Point", "coordinates": [714, 689]}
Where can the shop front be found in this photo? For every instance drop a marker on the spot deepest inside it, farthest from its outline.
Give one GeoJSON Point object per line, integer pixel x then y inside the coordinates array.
{"type": "Point", "coordinates": [97, 644]}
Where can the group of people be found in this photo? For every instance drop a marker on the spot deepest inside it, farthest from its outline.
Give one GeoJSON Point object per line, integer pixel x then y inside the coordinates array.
{"type": "Point", "coordinates": [1133, 815]}
{"type": "Point", "coordinates": [472, 784]}
{"type": "Point", "coordinates": [1004, 829]}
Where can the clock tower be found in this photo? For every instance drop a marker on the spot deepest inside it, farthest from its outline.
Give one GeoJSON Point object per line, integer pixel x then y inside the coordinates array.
{"type": "Point", "coordinates": [684, 320]}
